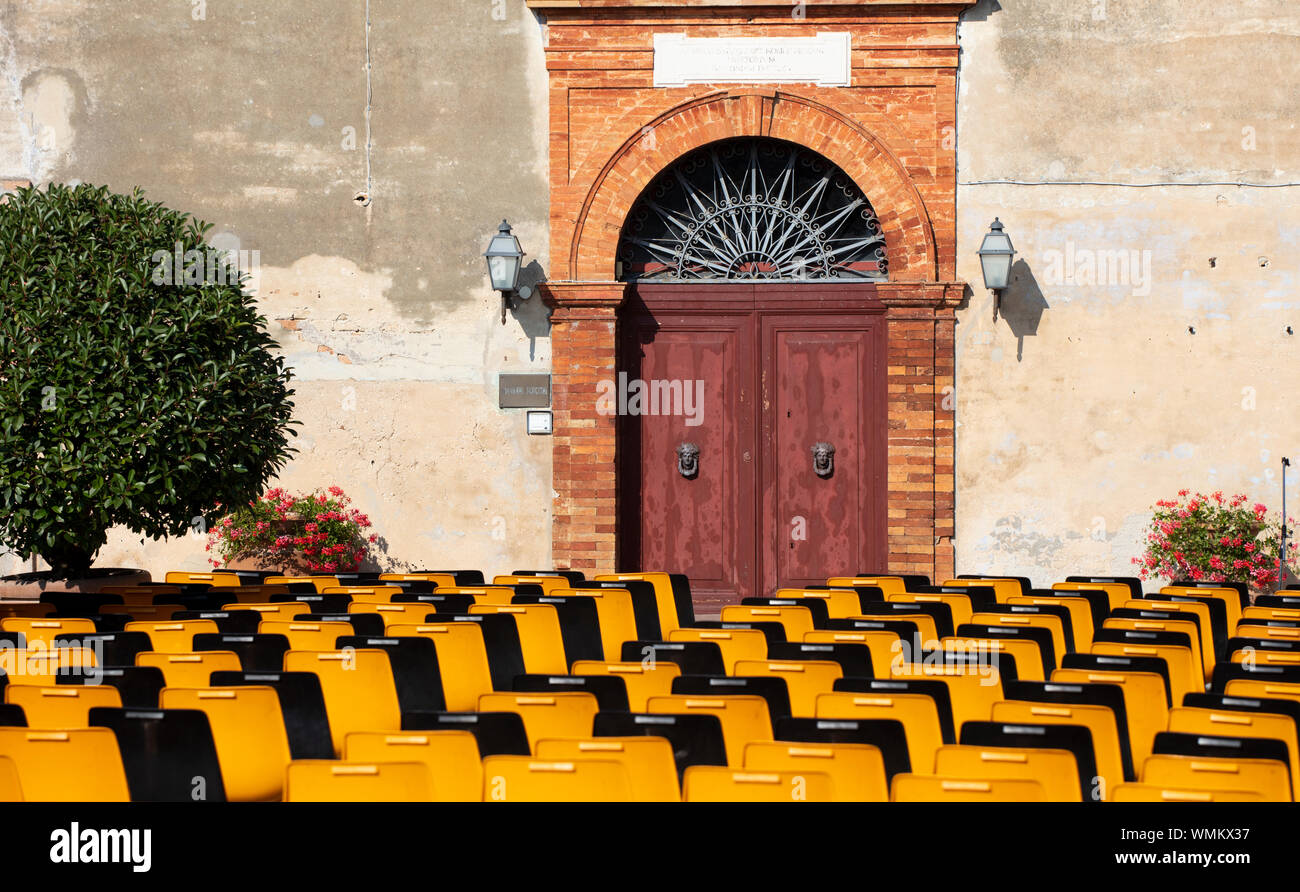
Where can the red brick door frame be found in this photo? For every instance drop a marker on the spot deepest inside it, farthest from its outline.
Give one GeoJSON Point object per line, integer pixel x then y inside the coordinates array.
{"type": "Point", "coordinates": [892, 131]}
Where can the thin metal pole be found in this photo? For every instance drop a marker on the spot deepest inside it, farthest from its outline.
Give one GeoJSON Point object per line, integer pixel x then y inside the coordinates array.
{"type": "Point", "coordinates": [1283, 572]}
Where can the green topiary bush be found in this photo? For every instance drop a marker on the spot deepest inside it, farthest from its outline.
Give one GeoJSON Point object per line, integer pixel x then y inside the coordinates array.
{"type": "Point", "coordinates": [129, 395]}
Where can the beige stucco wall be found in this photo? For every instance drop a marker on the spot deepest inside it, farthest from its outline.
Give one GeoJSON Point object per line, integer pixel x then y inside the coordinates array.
{"type": "Point", "coordinates": [1077, 408]}
{"type": "Point", "coordinates": [1084, 403]}
{"type": "Point", "coordinates": [236, 111]}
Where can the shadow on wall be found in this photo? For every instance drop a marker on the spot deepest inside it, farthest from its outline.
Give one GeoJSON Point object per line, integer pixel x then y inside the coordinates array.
{"type": "Point", "coordinates": [981, 11]}
{"type": "Point", "coordinates": [532, 314]}
{"type": "Point", "coordinates": [1022, 305]}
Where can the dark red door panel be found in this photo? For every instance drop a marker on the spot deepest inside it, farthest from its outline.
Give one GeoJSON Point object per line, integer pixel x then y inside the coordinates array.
{"type": "Point", "coordinates": [822, 384]}
{"type": "Point", "coordinates": [694, 376]}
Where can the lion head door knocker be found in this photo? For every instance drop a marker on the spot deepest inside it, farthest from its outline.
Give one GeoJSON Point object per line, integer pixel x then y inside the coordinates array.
{"type": "Point", "coordinates": [823, 459]}
{"type": "Point", "coordinates": [688, 460]}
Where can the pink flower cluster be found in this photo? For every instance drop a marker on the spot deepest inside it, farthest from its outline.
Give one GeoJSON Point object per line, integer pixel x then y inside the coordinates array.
{"type": "Point", "coordinates": [317, 532]}
{"type": "Point", "coordinates": [1213, 538]}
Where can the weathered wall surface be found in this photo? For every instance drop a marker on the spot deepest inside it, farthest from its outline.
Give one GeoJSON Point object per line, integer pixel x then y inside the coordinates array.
{"type": "Point", "coordinates": [253, 116]}
{"type": "Point", "coordinates": [1090, 397]}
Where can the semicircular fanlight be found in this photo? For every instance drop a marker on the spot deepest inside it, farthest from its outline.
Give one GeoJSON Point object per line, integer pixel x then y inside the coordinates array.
{"type": "Point", "coordinates": [752, 208]}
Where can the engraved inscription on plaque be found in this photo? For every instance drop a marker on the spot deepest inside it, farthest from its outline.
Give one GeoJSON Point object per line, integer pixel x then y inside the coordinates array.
{"type": "Point", "coordinates": [525, 391]}
{"type": "Point", "coordinates": [825, 59]}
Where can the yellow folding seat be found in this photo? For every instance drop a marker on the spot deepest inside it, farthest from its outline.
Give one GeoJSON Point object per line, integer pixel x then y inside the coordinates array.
{"type": "Point", "coordinates": [280, 610]}
{"type": "Point", "coordinates": [180, 577]}
{"type": "Point", "coordinates": [648, 761]}
{"type": "Point", "coordinates": [972, 689]}
{"type": "Point", "coordinates": [61, 705]}
{"type": "Point", "coordinates": [735, 644]}
{"type": "Point", "coordinates": [840, 603]}
{"type": "Point", "coordinates": [918, 713]}
{"type": "Point", "coordinates": [40, 633]}
{"type": "Point", "coordinates": [68, 765]}
{"type": "Point", "coordinates": [559, 714]}
{"type": "Point", "coordinates": [1266, 614]}
{"type": "Point", "coordinates": [190, 670]}
{"type": "Point", "coordinates": [143, 613]}
{"type": "Point", "coordinates": [796, 620]}
{"type": "Point", "coordinates": [461, 649]}
{"type": "Point", "coordinates": [1268, 778]}
{"type": "Point", "coordinates": [663, 588]}
{"type": "Point", "coordinates": [526, 779]}
{"type": "Point", "coordinates": [918, 788]}
{"type": "Point", "coordinates": [550, 584]}
{"type": "Point", "coordinates": [439, 580]}
{"type": "Point", "coordinates": [1099, 720]}
{"type": "Point", "coordinates": [1152, 793]}
{"type": "Point", "coordinates": [394, 614]}
{"type": "Point", "coordinates": [615, 613]}
{"type": "Point", "coordinates": [11, 788]}
{"type": "Point", "coordinates": [1255, 656]}
{"type": "Point", "coordinates": [804, 679]}
{"type": "Point", "coordinates": [145, 591]}
{"type": "Point", "coordinates": [1027, 620]}
{"type": "Point", "coordinates": [325, 780]}
{"type": "Point", "coordinates": [712, 783]}
{"type": "Point", "coordinates": [1247, 629]}
{"type": "Point", "coordinates": [1145, 706]}
{"type": "Point", "coordinates": [745, 717]}
{"type": "Point", "coordinates": [25, 609]}
{"type": "Point", "coordinates": [319, 582]}
{"type": "Point", "coordinates": [360, 693]}
{"type": "Point", "coordinates": [643, 680]}
{"type": "Point", "coordinates": [856, 770]}
{"type": "Point", "coordinates": [499, 595]}
{"type": "Point", "coordinates": [959, 604]}
{"type": "Point", "coordinates": [1003, 589]}
{"type": "Point", "coordinates": [40, 666]}
{"type": "Point", "coordinates": [249, 732]}
{"type": "Point", "coordinates": [1185, 673]}
{"type": "Point", "coordinates": [1056, 771]}
{"type": "Point", "coordinates": [1227, 723]}
{"type": "Point", "coordinates": [1200, 657]}
{"type": "Point", "coordinates": [1196, 608]}
{"type": "Point", "coordinates": [1229, 596]}
{"type": "Point", "coordinates": [1250, 687]}
{"type": "Point", "coordinates": [889, 585]}
{"type": "Point", "coordinates": [539, 635]}
{"type": "Point", "coordinates": [174, 637]}
{"type": "Point", "coordinates": [365, 594]}
{"type": "Point", "coordinates": [452, 758]}
{"type": "Point", "coordinates": [884, 647]}
{"type": "Point", "coordinates": [1026, 652]}
{"type": "Point", "coordinates": [307, 634]}
{"type": "Point", "coordinates": [248, 594]}
{"type": "Point", "coordinates": [1116, 592]}
{"type": "Point", "coordinates": [926, 627]}
{"type": "Point", "coordinates": [1080, 614]}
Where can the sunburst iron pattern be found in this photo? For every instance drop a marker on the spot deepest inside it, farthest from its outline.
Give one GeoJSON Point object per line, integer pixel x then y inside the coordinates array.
{"type": "Point", "coordinates": [752, 208]}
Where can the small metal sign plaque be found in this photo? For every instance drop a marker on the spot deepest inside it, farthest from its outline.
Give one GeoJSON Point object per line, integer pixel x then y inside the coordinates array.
{"type": "Point", "coordinates": [525, 391]}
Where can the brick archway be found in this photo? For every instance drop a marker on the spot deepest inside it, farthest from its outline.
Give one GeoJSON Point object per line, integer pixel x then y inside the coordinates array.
{"type": "Point", "coordinates": [891, 129]}
{"type": "Point", "coordinates": [620, 180]}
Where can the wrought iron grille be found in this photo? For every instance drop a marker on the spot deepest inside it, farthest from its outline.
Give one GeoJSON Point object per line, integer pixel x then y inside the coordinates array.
{"type": "Point", "coordinates": [752, 208]}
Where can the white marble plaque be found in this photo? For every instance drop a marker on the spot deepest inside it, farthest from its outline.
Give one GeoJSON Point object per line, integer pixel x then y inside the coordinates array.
{"type": "Point", "coordinates": [825, 59]}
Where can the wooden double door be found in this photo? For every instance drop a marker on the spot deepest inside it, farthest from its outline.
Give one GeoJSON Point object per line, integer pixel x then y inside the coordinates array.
{"type": "Point", "coordinates": [752, 434]}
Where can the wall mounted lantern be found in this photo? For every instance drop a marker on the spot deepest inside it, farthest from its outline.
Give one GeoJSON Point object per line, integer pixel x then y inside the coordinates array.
{"type": "Point", "coordinates": [996, 254]}
{"type": "Point", "coordinates": [505, 260]}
